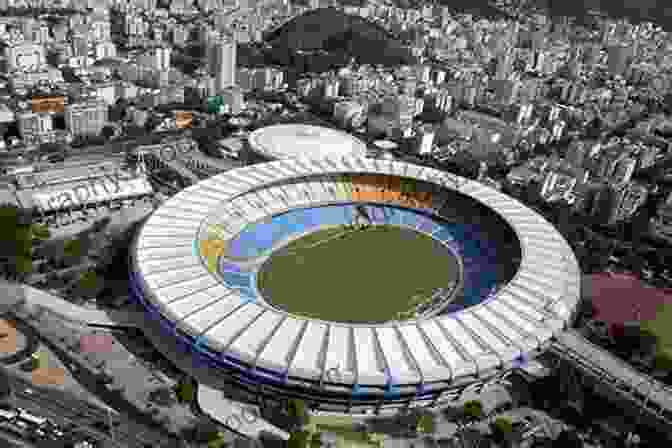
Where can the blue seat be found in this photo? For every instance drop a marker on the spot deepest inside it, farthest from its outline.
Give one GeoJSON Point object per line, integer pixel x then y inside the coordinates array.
{"type": "Point", "coordinates": [424, 224]}
{"type": "Point", "coordinates": [236, 280]}
{"type": "Point", "coordinates": [445, 234]}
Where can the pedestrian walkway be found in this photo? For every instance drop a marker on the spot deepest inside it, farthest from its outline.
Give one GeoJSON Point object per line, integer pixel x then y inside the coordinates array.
{"type": "Point", "coordinates": [242, 418]}
{"type": "Point", "coordinates": [36, 300]}
{"type": "Point", "coordinates": [640, 388]}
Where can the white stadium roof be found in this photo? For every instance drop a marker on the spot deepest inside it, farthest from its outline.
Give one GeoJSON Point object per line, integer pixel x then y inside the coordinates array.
{"type": "Point", "coordinates": [522, 317]}
{"type": "Point", "coordinates": [301, 140]}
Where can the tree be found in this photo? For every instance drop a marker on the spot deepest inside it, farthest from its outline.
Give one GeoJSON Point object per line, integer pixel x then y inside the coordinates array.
{"type": "Point", "coordinates": [184, 391]}
{"type": "Point", "coordinates": [216, 440]}
{"type": "Point", "coordinates": [88, 285]}
{"type": "Point", "coordinates": [107, 132]}
{"type": "Point", "coordinates": [16, 238]}
{"type": "Point", "coordinates": [40, 232]}
{"type": "Point", "coordinates": [473, 409]}
{"type": "Point", "coordinates": [298, 439]}
{"type": "Point", "coordinates": [297, 410]}
{"type": "Point", "coordinates": [426, 424]}
{"type": "Point", "coordinates": [568, 439]}
{"type": "Point", "coordinates": [501, 429]}
{"type": "Point", "coordinates": [376, 439]}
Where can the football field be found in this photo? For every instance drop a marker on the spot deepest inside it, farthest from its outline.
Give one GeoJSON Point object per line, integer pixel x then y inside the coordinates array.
{"type": "Point", "coordinates": [356, 275]}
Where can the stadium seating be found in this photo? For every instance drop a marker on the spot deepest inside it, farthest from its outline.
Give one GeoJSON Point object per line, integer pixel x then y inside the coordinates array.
{"type": "Point", "coordinates": [425, 224]}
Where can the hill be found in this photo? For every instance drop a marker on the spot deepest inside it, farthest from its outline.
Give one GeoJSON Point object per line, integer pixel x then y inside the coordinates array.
{"type": "Point", "coordinates": [337, 33]}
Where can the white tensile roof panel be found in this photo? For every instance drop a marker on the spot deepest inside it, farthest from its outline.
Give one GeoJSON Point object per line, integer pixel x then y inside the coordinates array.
{"type": "Point", "coordinates": [306, 362]}
{"type": "Point", "coordinates": [147, 241]}
{"type": "Point", "coordinates": [154, 230]}
{"type": "Point", "coordinates": [147, 267]}
{"type": "Point", "coordinates": [277, 353]}
{"type": "Point", "coordinates": [156, 221]}
{"type": "Point", "coordinates": [430, 366]}
{"type": "Point", "coordinates": [191, 203]}
{"type": "Point", "coordinates": [268, 172]}
{"type": "Point", "coordinates": [203, 320]}
{"type": "Point", "coordinates": [493, 341]}
{"type": "Point", "coordinates": [339, 354]}
{"type": "Point", "coordinates": [293, 168]}
{"type": "Point", "coordinates": [171, 292]}
{"type": "Point", "coordinates": [399, 363]}
{"type": "Point", "coordinates": [517, 336]}
{"type": "Point", "coordinates": [179, 213]}
{"type": "Point", "coordinates": [224, 332]}
{"type": "Point", "coordinates": [369, 369]}
{"type": "Point", "coordinates": [527, 326]}
{"type": "Point", "coordinates": [195, 196]}
{"type": "Point", "coordinates": [484, 358]}
{"type": "Point", "coordinates": [185, 306]}
{"type": "Point", "coordinates": [161, 279]}
{"type": "Point", "coordinates": [459, 365]}
{"type": "Point", "coordinates": [247, 345]}
{"type": "Point", "coordinates": [165, 252]}
{"type": "Point", "coordinates": [273, 204]}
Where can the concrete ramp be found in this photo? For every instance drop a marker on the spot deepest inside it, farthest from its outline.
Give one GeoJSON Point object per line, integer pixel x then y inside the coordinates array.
{"type": "Point", "coordinates": [36, 299]}
{"type": "Point", "coordinates": [242, 418]}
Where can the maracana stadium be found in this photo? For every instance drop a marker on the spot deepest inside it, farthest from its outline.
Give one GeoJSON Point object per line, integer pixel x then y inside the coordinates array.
{"type": "Point", "coordinates": [358, 285]}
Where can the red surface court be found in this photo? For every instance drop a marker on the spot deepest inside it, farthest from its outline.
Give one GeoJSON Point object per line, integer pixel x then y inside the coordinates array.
{"type": "Point", "coordinates": [620, 298]}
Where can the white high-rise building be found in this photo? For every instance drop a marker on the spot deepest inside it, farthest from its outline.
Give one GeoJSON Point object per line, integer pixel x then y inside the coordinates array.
{"type": "Point", "coordinates": [223, 63]}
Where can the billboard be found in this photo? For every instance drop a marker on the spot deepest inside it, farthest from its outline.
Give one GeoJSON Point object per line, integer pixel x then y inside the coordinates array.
{"type": "Point", "coordinates": [183, 119]}
{"type": "Point", "coordinates": [54, 104]}
{"type": "Point", "coordinates": [91, 192]}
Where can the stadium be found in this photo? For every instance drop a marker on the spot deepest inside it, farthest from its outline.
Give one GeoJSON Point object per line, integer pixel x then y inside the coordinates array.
{"type": "Point", "coordinates": [281, 141]}
{"type": "Point", "coordinates": [358, 285]}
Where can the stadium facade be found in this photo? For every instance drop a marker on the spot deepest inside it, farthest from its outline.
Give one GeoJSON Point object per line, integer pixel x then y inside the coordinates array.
{"type": "Point", "coordinates": [354, 368]}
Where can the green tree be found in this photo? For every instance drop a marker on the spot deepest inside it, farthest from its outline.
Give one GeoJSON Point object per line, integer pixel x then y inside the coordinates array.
{"type": "Point", "coordinates": [72, 248]}
{"type": "Point", "coordinates": [501, 428]}
{"type": "Point", "coordinates": [184, 390]}
{"type": "Point", "coordinates": [663, 361]}
{"type": "Point", "coordinates": [473, 410]}
{"type": "Point", "coordinates": [297, 409]}
{"type": "Point", "coordinates": [88, 285]}
{"type": "Point", "coordinates": [15, 241]}
{"type": "Point", "coordinates": [298, 439]}
{"type": "Point", "coordinates": [567, 439]}
{"type": "Point", "coordinates": [216, 440]}
{"type": "Point", "coordinates": [40, 232]}
{"type": "Point", "coordinates": [36, 360]}
{"type": "Point", "coordinates": [376, 439]}
{"type": "Point", "coordinates": [426, 424]}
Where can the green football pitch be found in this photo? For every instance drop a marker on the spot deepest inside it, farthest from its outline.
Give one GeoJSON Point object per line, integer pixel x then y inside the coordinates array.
{"type": "Point", "coordinates": [356, 276]}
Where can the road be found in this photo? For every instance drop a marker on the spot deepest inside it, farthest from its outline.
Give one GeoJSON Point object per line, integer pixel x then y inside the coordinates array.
{"type": "Point", "coordinates": [65, 409]}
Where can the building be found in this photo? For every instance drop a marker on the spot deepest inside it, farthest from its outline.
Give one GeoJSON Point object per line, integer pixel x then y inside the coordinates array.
{"type": "Point", "coordinates": [33, 125]}
{"type": "Point", "coordinates": [223, 63]}
{"type": "Point", "coordinates": [618, 58]}
{"type": "Point", "coordinates": [88, 118]}
{"type": "Point", "coordinates": [26, 57]}
{"type": "Point", "coordinates": [426, 135]}
{"type": "Point", "coordinates": [233, 100]}
{"type": "Point", "coordinates": [360, 369]}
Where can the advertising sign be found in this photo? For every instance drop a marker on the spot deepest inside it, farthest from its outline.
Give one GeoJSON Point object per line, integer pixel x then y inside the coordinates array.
{"type": "Point", "coordinates": [214, 104]}
{"type": "Point", "coordinates": [183, 119]}
{"type": "Point", "coordinates": [55, 104]}
{"type": "Point", "coordinates": [95, 190]}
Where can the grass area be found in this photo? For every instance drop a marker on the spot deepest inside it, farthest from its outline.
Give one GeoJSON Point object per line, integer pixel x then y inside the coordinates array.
{"type": "Point", "coordinates": [369, 275]}
{"type": "Point", "coordinates": [343, 428]}
{"type": "Point", "coordinates": [661, 327]}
